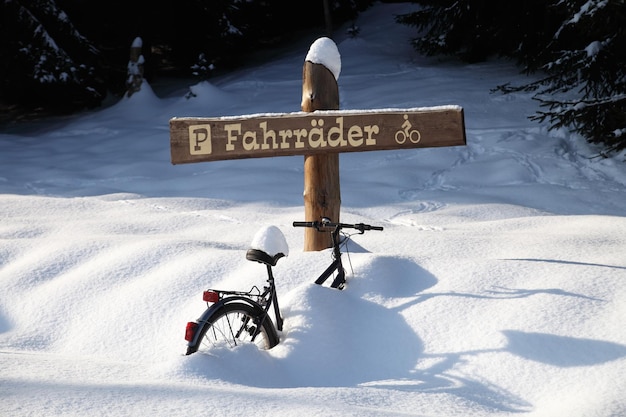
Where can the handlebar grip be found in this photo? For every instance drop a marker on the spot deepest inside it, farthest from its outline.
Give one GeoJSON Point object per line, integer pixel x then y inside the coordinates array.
{"type": "Point", "coordinates": [304, 224]}
{"type": "Point", "coordinates": [363, 227]}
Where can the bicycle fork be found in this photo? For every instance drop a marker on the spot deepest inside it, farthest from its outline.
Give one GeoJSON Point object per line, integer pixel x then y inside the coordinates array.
{"type": "Point", "coordinates": [336, 265]}
{"type": "Point", "coordinates": [339, 280]}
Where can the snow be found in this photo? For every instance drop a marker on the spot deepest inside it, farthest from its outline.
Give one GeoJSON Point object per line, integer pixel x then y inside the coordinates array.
{"type": "Point", "coordinates": [324, 52]}
{"type": "Point", "coordinates": [197, 90]}
{"type": "Point", "coordinates": [593, 49]}
{"type": "Point", "coordinates": [588, 8]}
{"type": "Point", "coordinates": [270, 240]}
{"type": "Point", "coordinates": [496, 289]}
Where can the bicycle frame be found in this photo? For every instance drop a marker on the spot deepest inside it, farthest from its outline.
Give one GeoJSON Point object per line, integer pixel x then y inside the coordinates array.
{"type": "Point", "coordinates": [336, 265]}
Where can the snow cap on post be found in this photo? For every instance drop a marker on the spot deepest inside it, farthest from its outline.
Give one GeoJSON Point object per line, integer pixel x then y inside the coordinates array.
{"type": "Point", "coordinates": [324, 52]}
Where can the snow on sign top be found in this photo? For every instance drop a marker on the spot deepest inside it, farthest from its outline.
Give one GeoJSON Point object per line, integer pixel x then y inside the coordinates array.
{"type": "Point", "coordinates": [324, 51]}
{"type": "Point", "coordinates": [270, 240]}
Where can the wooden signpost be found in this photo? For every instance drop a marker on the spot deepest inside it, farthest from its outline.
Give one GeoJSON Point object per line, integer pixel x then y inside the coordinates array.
{"type": "Point", "coordinates": [320, 132]}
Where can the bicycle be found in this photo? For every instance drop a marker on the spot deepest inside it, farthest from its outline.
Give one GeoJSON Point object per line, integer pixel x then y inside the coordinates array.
{"type": "Point", "coordinates": [236, 317]}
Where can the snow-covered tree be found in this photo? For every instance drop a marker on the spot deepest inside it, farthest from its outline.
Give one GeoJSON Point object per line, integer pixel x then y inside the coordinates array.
{"type": "Point", "coordinates": [477, 29]}
{"type": "Point", "coordinates": [586, 65]}
{"type": "Point", "coordinates": [578, 44]}
{"type": "Point", "coordinates": [44, 59]}
{"type": "Point", "coordinates": [203, 68]}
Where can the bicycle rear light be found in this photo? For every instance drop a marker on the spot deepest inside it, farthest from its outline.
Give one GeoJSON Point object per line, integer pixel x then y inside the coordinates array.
{"type": "Point", "coordinates": [210, 296]}
{"type": "Point", "coordinates": [190, 331]}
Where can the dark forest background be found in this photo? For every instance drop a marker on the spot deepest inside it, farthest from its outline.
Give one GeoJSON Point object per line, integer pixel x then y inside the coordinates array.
{"type": "Point", "coordinates": [59, 56]}
{"type": "Point", "coordinates": [67, 54]}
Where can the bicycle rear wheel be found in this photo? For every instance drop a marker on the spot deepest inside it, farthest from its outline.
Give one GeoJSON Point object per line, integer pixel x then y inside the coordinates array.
{"type": "Point", "coordinates": [236, 323]}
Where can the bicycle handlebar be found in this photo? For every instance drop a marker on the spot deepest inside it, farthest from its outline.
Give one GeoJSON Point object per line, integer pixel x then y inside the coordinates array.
{"type": "Point", "coordinates": [361, 227]}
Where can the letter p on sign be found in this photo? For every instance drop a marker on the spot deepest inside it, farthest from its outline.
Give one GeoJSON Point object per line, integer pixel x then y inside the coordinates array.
{"type": "Point", "coordinates": [199, 139]}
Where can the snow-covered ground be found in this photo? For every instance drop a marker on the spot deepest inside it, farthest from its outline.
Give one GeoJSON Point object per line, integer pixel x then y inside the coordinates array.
{"type": "Point", "coordinates": [496, 288]}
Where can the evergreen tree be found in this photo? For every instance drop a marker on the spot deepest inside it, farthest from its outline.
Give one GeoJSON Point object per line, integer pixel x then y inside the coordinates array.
{"type": "Point", "coordinates": [44, 60]}
{"type": "Point", "coordinates": [477, 29]}
{"type": "Point", "coordinates": [586, 65]}
{"type": "Point", "coordinates": [578, 44]}
{"type": "Point", "coordinates": [64, 54]}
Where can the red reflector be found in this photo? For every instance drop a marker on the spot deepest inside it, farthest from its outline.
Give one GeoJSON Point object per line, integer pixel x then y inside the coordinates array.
{"type": "Point", "coordinates": [210, 296]}
{"type": "Point", "coordinates": [190, 331]}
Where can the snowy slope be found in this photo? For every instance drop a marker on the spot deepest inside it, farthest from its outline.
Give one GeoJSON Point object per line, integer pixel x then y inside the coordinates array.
{"type": "Point", "coordinates": [495, 289]}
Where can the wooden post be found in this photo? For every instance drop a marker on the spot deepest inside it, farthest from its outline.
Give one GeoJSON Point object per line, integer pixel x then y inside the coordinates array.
{"type": "Point", "coordinates": [135, 68]}
{"type": "Point", "coordinates": [322, 196]}
{"type": "Point", "coordinates": [328, 19]}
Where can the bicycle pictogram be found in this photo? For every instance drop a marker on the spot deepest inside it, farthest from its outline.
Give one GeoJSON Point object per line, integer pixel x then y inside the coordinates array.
{"type": "Point", "coordinates": [413, 135]}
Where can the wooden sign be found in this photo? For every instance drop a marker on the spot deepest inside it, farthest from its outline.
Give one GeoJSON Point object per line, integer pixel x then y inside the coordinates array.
{"type": "Point", "coordinates": [319, 132]}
